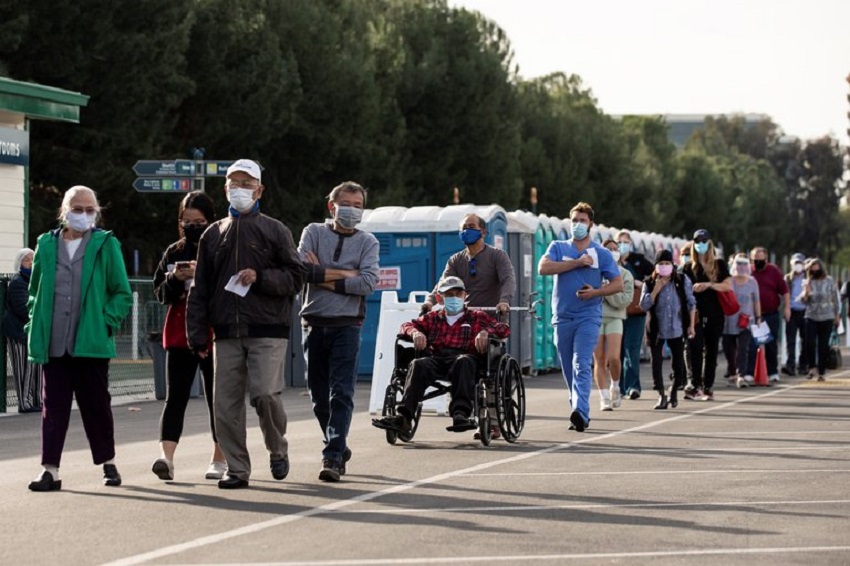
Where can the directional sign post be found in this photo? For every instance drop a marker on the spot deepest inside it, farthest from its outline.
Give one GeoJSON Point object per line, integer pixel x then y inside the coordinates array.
{"type": "Point", "coordinates": [178, 175]}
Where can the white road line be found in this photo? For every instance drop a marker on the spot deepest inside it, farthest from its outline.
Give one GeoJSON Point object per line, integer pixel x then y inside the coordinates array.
{"type": "Point", "coordinates": [520, 559]}
{"type": "Point", "coordinates": [672, 505]}
{"type": "Point", "coordinates": [342, 504]}
{"type": "Point", "coordinates": [664, 472]}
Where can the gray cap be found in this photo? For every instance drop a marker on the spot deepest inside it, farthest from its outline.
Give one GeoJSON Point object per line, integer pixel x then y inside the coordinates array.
{"type": "Point", "coordinates": [450, 283]}
{"type": "Point", "coordinates": [798, 258]}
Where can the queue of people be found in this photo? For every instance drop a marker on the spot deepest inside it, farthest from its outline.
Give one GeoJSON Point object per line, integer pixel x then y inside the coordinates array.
{"type": "Point", "coordinates": [229, 285]}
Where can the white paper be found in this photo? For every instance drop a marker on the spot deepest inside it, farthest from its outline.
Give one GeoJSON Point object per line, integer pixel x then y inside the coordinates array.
{"type": "Point", "coordinates": [235, 287]}
{"type": "Point", "coordinates": [592, 253]}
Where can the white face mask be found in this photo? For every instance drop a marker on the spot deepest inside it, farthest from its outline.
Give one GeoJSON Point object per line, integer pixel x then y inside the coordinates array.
{"type": "Point", "coordinates": [241, 199]}
{"type": "Point", "coordinates": [80, 221]}
{"type": "Point", "coordinates": [798, 268]}
{"type": "Point", "coordinates": [615, 255]}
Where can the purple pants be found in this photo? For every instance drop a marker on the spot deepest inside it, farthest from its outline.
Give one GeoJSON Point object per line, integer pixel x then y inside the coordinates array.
{"type": "Point", "coordinates": [87, 380]}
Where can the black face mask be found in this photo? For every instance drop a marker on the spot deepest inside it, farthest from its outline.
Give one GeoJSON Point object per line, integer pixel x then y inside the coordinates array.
{"type": "Point", "coordinates": [193, 232]}
{"type": "Point", "coordinates": [816, 274]}
{"type": "Point", "coordinates": [759, 263]}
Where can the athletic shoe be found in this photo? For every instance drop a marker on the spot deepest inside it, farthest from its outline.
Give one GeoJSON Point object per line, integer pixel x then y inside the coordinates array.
{"type": "Point", "coordinates": [693, 394]}
{"type": "Point", "coordinates": [279, 467]}
{"type": "Point", "coordinates": [330, 471]}
{"type": "Point", "coordinates": [749, 379]}
{"type": "Point", "coordinates": [731, 381]}
{"type": "Point", "coordinates": [741, 383]}
{"type": "Point", "coordinates": [605, 404]}
{"type": "Point", "coordinates": [707, 395]}
{"type": "Point", "coordinates": [634, 394]}
{"type": "Point", "coordinates": [773, 378]}
{"type": "Point", "coordinates": [216, 470]}
{"type": "Point", "coordinates": [164, 469]}
{"type": "Point", "coordinates": [577, 421]}
{"type": "Point", "coordinates": [821, 377]}
{"type": "Point", "coordinates": [346, 456]}
{"type": "Point", "coordinates": [788, 370]}
{"type": "Point", "coordinates": [616, 400]}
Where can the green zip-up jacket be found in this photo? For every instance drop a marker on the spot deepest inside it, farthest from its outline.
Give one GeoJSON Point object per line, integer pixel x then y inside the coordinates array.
{"type": "Point", "coordinates": [106, 296]}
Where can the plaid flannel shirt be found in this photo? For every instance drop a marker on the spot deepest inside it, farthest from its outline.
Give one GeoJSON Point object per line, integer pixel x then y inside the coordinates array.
{"type": "Point", "coordinates": [458, 336]}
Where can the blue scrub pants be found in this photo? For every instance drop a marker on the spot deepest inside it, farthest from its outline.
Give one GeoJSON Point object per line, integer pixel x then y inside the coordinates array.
{"type": "Point", "coordinates": [575, 340]}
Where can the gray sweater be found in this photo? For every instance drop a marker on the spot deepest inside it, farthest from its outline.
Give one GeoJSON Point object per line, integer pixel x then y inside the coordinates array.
{"type": "Point", "coordinates": [822, 302]}
{"type": "Point", "coordinates": [345, 305]}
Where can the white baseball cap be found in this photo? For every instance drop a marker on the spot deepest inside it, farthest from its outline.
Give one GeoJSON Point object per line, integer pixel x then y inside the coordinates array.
{"type": "Point", "coordinates": [246, 166]}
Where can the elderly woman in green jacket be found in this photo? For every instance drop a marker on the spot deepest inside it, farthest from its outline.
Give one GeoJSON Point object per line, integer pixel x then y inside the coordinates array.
{"type": "Point", "coordinates": [78, 296]}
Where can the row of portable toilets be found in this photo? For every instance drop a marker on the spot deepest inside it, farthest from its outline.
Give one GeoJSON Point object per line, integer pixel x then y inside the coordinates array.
{"type": "Point", "coordinates": [416, 242]}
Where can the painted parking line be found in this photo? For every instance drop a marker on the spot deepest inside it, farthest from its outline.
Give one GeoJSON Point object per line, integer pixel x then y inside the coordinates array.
{"type": "Point", "coordinates": [345, 503]}
{"type": "Point", "coordinates": [664, 472]}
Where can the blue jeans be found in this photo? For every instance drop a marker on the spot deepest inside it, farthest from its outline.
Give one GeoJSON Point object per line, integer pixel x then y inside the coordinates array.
{"type": "Point", "coordinates": [634, 328]}
{"type": "Point", "coordinates": [575, 340]}
{"type": "Point", "coordinates": [331, 354]}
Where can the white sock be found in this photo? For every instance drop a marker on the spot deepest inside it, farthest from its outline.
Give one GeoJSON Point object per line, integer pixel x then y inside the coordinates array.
{"type": "Point", "coordinates": [604, 393]}
{"type": "Point", "coordinates": [54, 471]}
{"type": "Point", "coordinates": [112, 461]}
{"type": "Point", "coordinates": [615, 385]}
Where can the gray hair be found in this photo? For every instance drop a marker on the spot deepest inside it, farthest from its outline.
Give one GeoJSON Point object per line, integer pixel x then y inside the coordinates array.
{"type": "Point", "coordinates": [348, 187]}
{"type": "Point", "coordinates": [19, 257]}
{"type": "Point", "coordinates": [69, 196]}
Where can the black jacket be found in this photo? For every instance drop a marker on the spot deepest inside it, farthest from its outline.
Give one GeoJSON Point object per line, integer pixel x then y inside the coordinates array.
{"type": "Point", "coordinates": [678, 281]}
{"type": "Point", "coordinates": [251, 240]}
{"type": "Point", "coordinates": [16, 315]}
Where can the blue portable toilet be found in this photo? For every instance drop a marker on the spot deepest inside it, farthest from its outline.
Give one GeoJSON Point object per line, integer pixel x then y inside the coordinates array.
{"type": "Point", "coordinates": [406, 265]}
{"type": "Point", "coordinates": [446, 224]}
{"type": "Point", "coordinates": [522, 230]}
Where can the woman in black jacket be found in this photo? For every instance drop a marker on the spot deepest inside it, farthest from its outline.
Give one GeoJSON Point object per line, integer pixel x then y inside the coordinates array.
{"type": "Point", "coordinates": [27, 376]}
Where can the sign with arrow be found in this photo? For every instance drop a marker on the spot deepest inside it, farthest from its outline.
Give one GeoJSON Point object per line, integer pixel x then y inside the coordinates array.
{"type": "Point", "coordinates": [151, 168]}
{"type": "Point", "coordinates": [162, 184]}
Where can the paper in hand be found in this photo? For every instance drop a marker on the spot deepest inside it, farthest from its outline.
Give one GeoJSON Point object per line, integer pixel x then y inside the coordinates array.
{"type": "Point", "coordinates": [235, 287]}
{"type": "Point", "coordinates": [592, 253]}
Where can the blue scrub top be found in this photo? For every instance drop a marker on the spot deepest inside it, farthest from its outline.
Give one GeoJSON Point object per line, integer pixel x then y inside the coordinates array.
{"type": "Point", "coordinates": [565, 304]}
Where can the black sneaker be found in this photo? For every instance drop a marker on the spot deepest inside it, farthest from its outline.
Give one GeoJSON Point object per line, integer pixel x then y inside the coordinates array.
{"type": "Point", "coordinates": [330, 471]}
{"type": "Point", "coordinates": [111, 477]}
{"type": "Point", "coordinates": [279, 468]}
{"type": "Point", "coordinates": [788, 370]}
{"type": "Point", "coordinates": [577, 421]}
{"type": "Point", "coordinates": [634, 394]}
{"type": "Point", "coordinates": [461, 423]}
{"type": "Point", "coordinates": [346, 456]}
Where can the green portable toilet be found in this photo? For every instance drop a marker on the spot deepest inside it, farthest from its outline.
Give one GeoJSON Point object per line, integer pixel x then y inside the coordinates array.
{"type": "Point", "coordinates": [551, 226]}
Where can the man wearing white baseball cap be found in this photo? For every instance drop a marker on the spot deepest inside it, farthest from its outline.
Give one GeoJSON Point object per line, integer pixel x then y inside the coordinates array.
{"type": "Point", "coordinates": [247, 273]}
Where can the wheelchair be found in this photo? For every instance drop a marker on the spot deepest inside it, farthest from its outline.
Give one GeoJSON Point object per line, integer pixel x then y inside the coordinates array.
{"type": "Point", "coordinates": [499, 389]}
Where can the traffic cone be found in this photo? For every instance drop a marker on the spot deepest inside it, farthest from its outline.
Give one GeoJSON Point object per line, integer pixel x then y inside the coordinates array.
{"type": "Point", "coordinates": [760, 377]}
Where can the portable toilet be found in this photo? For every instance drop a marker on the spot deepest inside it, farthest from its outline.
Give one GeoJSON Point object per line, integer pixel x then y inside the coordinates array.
{"type": "Point", "coordinates": [446, 225]}
{"type": "Point", "coordinates": [406, 264]}
{"type": "Point", "coordinates": [551, 227]}
{"type": "Point", "coordinates": [522, 229]}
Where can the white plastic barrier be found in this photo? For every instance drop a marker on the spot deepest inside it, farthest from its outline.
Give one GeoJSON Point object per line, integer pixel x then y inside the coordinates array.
{"type": "Point", "coordinates": [392, 315]}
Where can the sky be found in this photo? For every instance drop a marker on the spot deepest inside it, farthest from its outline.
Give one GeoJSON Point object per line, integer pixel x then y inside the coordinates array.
{"type": "Point", "coordinates": [784, 58]}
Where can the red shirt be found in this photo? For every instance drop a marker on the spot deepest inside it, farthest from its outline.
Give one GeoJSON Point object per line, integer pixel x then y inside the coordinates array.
{"type": "Point", "coordinates": [458, 336]}
{"type": "Point", "coordinates": [771, 288]}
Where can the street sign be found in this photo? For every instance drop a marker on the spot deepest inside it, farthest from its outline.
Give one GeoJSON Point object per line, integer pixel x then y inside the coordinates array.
{"type": "Point", "coordinates": [162, 184]}
{"type": "Point", "coordinates": [147, 167]}
{"type": "Point", "coordinates": [216, 168]}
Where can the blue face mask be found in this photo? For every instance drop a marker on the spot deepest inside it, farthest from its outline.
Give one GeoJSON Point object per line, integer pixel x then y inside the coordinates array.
{"type": "Point", "coordinates": [701, 247]}
{"type": "Point", "coordinates": [453, 305]}
{"type": "Point", "coordinates": [580, 231]}
{"type": "Point", "coordinates": [25, 271]}
{"type": "Point", "coordinates": [469, 236]}
{"type": "Point", "coordinates": [624, 248]}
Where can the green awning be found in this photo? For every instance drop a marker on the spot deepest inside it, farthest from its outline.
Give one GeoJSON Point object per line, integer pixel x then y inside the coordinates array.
{"type": "Point", "coordinates": [40, 102]}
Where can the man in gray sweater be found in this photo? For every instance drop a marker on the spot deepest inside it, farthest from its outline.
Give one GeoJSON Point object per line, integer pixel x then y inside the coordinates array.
{"type": "Point", "coordinates": [342, 265]}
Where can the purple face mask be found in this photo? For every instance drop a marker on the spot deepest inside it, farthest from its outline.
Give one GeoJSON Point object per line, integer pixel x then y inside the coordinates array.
{"type": "Point", "coordinates": [664, 270]}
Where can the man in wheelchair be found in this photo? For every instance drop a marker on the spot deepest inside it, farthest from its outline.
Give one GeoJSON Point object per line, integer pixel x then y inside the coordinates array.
{"type": "Point", "coordinates": [452, 340]}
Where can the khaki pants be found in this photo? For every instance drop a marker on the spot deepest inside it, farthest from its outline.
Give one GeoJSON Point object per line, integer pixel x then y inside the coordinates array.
{"type": "Point", "coordinates": [252, 365]}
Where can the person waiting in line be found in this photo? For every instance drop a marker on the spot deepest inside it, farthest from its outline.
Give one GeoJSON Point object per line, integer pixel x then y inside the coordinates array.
{"type": "Point", "coordinates": [606, 357]}
{"type": "Point", "coordinates": [342, 270]}
{"type": "Point", "coordinates": [709, 275]}
{"type": "Point", "coordinates": [773, 295]}
{"type": "Point", "coordinates": [454, 338]}
{"type": "Point", "coordinates": [80, 266]}
{"type": "Point", "coordinates": [634, 327]}
{"type": "Point", "coordinates": [26, 375]}
{"type": "Point", "coordinates": [486, 271]}
{"type": "Point", "coordinates": [668, 298]}
{"type": "Point", "coordinates": [823, 315]}
{"type": "Point", "coordinates": [171, 282]}
{"type": "Point", "coordinates": [579, 265]}
{"type": "Point", "coordinates": [685, 255]}
{"type": "Point", "coordinates": [737, 336]}
{"type": "Point", "coordinates": [795, 326]}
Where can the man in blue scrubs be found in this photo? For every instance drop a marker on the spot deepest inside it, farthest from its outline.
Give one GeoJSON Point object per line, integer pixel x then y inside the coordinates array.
{"type": "Point", "coordinates": [584, 273]}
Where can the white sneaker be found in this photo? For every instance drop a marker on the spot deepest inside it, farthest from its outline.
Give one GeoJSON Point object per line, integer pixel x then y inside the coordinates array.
{"type": "Point", "coordinates": [216, 470]}
{"type": "Point", "coordinates": [605, 404]}
{"type": "Point", "coordinates": [741, 382]}
{"type": "Point", "coordinates": [749, 379]}
{"type": "Point", "coordinates": [773, 378]}
{"type": "Point", "coordinates": [164, 469]}
{"type": "Point", "coordinates": [615, 397]}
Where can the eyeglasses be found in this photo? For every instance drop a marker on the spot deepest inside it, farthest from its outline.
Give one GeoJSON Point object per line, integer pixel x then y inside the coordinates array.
{"type": "Point", "coordinates": [82, 210]}
{"type": "Point", "coordinates": [472, 270]}
{"type": "Point", "coordinates": [242, 184]}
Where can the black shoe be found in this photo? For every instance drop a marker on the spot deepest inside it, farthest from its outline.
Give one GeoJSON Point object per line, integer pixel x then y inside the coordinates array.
{"type": "Point", "coordinates": [395, 423]}
{"type": "Point", "coordinates": [232, 482]}
{"type": "Point", "coordinates": [461, 423]}
{"type": "Point", "coordinates": [330, 470]}
{"type": "Point", "coordinates": [788, 370]}
{"type": "Point", "coordinates": [279, 468]}
{"type": "Point", "coordinates": [346, 456]}
{"type": "Point", "coordinates": [45, 482]}
{"type": "Point", "coordinates": [578, 422]}
{"type": "Point", "coordinates": [111, 477]}
{"type": "Point", "coordinates": [662, 403]}
{"type": "Point", "coordinates": [673, 402]}
{"type": "Point", "coordinates": [634, 394]}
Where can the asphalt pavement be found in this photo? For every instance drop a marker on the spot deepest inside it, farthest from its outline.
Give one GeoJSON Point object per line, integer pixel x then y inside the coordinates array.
{"type": "Point", "coordinates": [759, 476]}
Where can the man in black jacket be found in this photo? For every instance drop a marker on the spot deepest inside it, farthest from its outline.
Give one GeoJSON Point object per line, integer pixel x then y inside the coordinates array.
{"type": "Point", "coordinates": [247, 274]}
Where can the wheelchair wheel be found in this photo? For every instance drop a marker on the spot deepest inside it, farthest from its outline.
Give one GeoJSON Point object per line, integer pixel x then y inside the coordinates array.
{"type": "Point", "coordinates": [510, 399]}
{"type": "Point", "coordinates": [389, 410]}
{"type": "Point", "coordinates": [483, 413]}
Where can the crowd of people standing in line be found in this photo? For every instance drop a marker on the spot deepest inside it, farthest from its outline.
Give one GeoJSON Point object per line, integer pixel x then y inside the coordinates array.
{"type": "Point", "coordinates": [229, 286]}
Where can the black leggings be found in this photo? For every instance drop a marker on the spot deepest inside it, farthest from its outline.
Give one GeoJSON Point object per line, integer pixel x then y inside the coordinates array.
{"type": "Point", "coordinates": [704, 351]}
{"type": "Point", "coordinates": [181, 366]}
{"type": "Point", "coordinates": [677, 358]}
{"type": "Point", "coordinates": [818, 333]}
